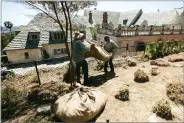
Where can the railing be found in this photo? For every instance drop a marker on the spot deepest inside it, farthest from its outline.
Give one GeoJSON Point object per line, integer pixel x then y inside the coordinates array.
{"type": "Point", "coordinates": [141, 47]}
{"type": "Point", "coordinates": [135, 32]}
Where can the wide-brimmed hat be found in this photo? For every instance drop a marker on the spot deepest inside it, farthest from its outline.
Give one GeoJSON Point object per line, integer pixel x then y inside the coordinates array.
{"type": "Point", "coordinates": [81, 35]}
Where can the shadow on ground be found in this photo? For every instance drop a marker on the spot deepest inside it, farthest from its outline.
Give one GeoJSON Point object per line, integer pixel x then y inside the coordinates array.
{"type": "Point", "coordinates": [98, 80]}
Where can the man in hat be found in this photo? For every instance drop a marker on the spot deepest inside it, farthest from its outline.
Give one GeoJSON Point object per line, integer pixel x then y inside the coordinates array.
{"type": "Point", "coordinates": [110, 46]}
{"type": "Point", "coordinates": [79, 55]}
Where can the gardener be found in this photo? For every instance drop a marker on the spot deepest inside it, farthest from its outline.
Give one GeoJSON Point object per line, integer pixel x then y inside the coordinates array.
{"type": "Point", "coordinates": [110, 46]}
{"type": "Point", "coordinates": [79, 53]}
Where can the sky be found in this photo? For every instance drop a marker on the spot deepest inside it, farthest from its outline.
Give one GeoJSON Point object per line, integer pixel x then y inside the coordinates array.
{"type": "Point", "coordinates": [20, 14]}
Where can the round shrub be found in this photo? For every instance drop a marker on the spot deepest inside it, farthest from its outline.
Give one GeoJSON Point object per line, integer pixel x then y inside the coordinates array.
{"type": "Point", "coordinates": [162, 108]}
{"type": "Point", "coordinates": [175, 91]}
{"type": "Point", "coordinates": [140, 76]}
{"type": "Point", "coordinates": [154, 71]}
{"type": "Point", "coordinates": [123, 95]}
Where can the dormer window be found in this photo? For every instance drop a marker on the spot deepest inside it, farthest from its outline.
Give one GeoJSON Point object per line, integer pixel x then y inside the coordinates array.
{"type": "Point", "coordinates": [57, 36]}
{"type": "Point", "coordinates": [34, 35]}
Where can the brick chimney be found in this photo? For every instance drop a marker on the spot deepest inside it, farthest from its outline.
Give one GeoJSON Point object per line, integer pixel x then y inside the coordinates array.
{"type": "Point", "coordinates": [90, 18]}
{"type": "Point", "coordinates": [105, 17]}
{"type": "Point", "coordinates": [105, 20]}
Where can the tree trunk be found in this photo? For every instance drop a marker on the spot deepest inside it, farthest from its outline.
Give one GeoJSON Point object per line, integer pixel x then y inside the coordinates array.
{"type": "Point", "coordinates": [72, 70]}
{"type": "Point", "coordinates": [70, 24]}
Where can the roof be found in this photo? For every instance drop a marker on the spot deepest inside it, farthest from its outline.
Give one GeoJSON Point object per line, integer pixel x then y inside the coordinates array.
{"type": "Point", "coordinates": [131, 16]}
{"type": "Point", "coordinates": [43, 24]}
{"type": "Point", "coordinates": [20, 28]}
{"type": "Point", "coordinates": [159, 18]}
{"type": "Point", "coordinates": [114, 17]}
{"type": "Point", "coordinates": [179, 11]}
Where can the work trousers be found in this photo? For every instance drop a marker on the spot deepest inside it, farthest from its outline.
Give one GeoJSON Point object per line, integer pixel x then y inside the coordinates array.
{"type": "Point", "coordinates": [84, 66]}
{"type": "Point", "coordinates": [111, 65]}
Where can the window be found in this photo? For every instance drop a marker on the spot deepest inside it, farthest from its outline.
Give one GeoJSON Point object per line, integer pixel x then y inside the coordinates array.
{"type": "Point", "coordinates": [60, 51]}
{"type": "Point", "coordinates": [57, 35]}
{"type": "Point", "coordinates": [34, 37]}
{"type": "Point", "coordinates": [26, 54]}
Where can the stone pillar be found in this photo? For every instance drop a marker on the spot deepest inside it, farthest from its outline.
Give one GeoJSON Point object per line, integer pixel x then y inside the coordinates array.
{"type": "Point", "coordinates": [181, 30]}
{"type": "Point", "coordinates": [137, 30]}
{"type": "Point", "coordinates": [172, 30]}
{"type": "Point", "coordinates": [151, 30]}
{"type": "Point", "coordinates": [162, 32]}
{"type": "Point", "coordinates": [90, 18]}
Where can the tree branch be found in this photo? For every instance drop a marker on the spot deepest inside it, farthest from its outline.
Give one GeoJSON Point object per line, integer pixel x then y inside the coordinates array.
{"type": "Point", "coordinates": [58, 21]}
{"type": "Point", "coordinates": [40, 9]}
{"type": "Point", "coordinates": [71, 62]}
{"type": "Point", "coordinates": [70, 24]}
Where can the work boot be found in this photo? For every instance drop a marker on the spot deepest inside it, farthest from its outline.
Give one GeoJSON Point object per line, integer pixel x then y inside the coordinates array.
{"type": "Point", "coordinates": [112, 71]}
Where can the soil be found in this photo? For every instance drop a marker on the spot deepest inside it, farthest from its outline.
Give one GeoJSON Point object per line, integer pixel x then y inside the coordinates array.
{"type": "Point", "coordinates": [142, 96]}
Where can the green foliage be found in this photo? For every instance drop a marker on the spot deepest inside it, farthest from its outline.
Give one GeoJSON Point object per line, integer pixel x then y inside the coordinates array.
{"type": "Point", "coordinates": [182, 45]}
{"type": "Point", "coordinates": [5, 40]}
{"type": "Point", "coordinates": [94, 31]}
{"type": "Point", "coordinates": [8, 25]}
{"type": "Point", "coordinates": [10, 75]}
{"type": "Point", "coordinates": [159, 49]}
{"type": "Point", "coordinates": [153, 50]}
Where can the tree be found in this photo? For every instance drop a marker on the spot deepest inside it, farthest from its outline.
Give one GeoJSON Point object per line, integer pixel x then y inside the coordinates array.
{"type": "Point", "coordinates": [5, 40]}
{"type": "Point", "coordinates": [8, 25]}
{"type": "Point", "coordinates": [67, 8]}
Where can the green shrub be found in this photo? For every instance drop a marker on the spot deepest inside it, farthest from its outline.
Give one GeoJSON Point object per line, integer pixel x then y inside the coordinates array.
{"type": "Point", "coordinates": [162, 108]}
{"type": "Point", "coordinates": [9, 75]}
{"type": "Point", "coordinates": [94, 31]}
{"type": "Point", "coordinates": [159, 49]}
{"type": "Point", "coordinates": [182, 45]}
{"type": "Point", "coordinates": [153, 50]}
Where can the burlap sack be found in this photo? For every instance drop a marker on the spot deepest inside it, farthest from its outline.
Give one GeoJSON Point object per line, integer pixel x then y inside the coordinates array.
{"type": "Point", "coordinates": [97, 52]}
{"type": "Point", "coordinates": [81, 105]}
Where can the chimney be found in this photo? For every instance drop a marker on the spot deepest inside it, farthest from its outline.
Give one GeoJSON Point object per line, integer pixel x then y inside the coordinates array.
{"type": "Point", "coordinates": [90, 18]}
{"type": "Point", "coordinates": [94, 8]}
{"type": "Point", "coordinates": [105, 17]}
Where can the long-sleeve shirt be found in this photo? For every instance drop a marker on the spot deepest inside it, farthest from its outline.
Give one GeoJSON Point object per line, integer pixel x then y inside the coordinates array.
{"type": "Point", "coordinates": [111, 47]}
{"type": "Point", "coordinates": [79, 50]}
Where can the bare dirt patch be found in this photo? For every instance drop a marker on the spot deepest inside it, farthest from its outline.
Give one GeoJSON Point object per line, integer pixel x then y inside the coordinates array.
{"type": "Point", "coordinates": [176, 58]}
{"type": "Point", "coordinates": [142, 96]}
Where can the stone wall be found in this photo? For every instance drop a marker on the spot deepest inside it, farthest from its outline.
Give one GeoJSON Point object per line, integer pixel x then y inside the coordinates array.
{"type": "Point", "coordinates": [131, 41]}
{"type": "Point", "coordinates": [49, 48]}
{"type": "Point", "coordinates": [17, 56]}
